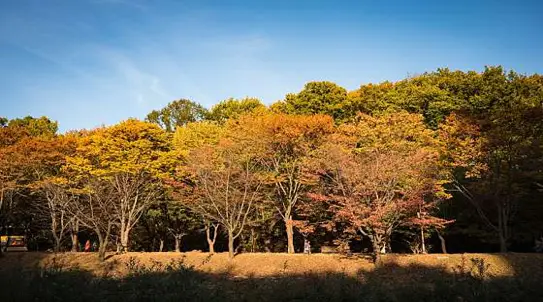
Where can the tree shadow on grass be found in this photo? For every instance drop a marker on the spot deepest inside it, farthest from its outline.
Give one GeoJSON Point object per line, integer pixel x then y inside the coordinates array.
{"type": "Point", "coordinates": [178, 281]}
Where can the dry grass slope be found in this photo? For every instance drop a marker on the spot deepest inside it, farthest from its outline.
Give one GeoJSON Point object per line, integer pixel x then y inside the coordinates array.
{"type": "Point", "coordinates": [267, 264]}
{"type": "Point", "coordinates": [273, 277]}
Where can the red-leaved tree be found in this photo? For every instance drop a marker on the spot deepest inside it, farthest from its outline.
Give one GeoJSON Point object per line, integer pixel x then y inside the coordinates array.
{"type": "Point", "coordinates": [379, 174]}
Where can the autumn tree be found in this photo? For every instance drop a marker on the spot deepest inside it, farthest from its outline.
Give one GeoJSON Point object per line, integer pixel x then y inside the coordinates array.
{"type": "Point", "coordinates": [370, 99]}
{"type": "Point", "coordinates": [156, 225]}
{"type": "Point", "coordinates": [221, 182]}
{"type": "Point", "coordinates": [226, 190]}
{"type": "Point", "coordinates": [95, 208]}
{"type": "Point", "coordinates": [317, 98]}
{"type": "Point", "coordinates": [18, 151]}
{"type": "Point", "coordinates": [58, 201]}
{"type": "Point", "coordinates": [285, 145]}
{"type": "Point", "coordinates": [504, 107]}
{"type": "Point", "coordinates": [232, 108]}
{"type": "Point", "coordinates": [41, 126]}
{"type": "Point", "coordinates": [9, 159]}
{"type": "Point", "coordinates": [490, 144]}
{"type": "Point", "coordinates": [378, 173]}
{"type": "Point", "coordinates": [512, 153]}
{"type": "Point", "coordinates": [426, 221]}
{"type": "Point", "coordinates": [131, 157]}
{"type": "Point", "coordinates": [181, 222]}
{"type": "Point", "coordinates": [434, 95]}
{"type": "Point", "coordinates": [177, 113]}
{"type": "Point", "coordinates": [195, 135]}
{"type": "Point", "coordinates": [170, 218]}
{"type": "Point", "coordinates": [493, 165]}
{"type": "Point", "coordinates": [10, 173]}
{"type": "Point", "coordinates": [49, 157]}
{"type": "Point", "coordinates": [187, 139]}
{"type": "Point", "coordinates": [29, 157]}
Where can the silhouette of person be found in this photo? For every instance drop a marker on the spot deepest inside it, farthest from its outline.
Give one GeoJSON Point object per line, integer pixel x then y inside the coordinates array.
{"type": "Point", "coordinates": [307, 246]}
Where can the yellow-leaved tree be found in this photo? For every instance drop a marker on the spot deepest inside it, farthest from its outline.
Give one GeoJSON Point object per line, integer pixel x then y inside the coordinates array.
{"type": "Point", "coordinates": [127, 162]}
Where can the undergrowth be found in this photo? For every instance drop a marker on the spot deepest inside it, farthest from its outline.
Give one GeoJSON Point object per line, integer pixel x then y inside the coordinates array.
{"type": "Point", "coordinates": [178, 281]}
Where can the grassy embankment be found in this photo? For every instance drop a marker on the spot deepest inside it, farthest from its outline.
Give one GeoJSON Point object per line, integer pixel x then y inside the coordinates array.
{"type": "Point", "coordinates": [270, 277]}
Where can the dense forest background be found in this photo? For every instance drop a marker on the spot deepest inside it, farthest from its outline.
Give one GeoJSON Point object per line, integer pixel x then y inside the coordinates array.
{"type": "Point", "coordinates": [444, 161]}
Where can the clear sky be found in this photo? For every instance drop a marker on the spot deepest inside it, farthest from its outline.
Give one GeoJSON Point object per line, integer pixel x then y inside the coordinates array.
{"type": "Point", "coordinates": [92, 62]}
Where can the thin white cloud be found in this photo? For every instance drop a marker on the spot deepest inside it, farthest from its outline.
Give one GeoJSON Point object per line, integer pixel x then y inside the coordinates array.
{"type": "Point", "coordinates": [131, 3]}
{"type": "Point", "coordinates": [112, 80]}
{"type": "Point", "coordinates": [55, 59]}
{"type": "Point", "coordinates": [253, 44]}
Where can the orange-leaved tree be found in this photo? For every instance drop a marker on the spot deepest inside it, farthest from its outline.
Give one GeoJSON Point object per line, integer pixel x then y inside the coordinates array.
{"type": "Point", "coordinates": [220, 177]}
{"type": "Point", "coordinates": [284, 145]}
{"type": "Point", "coordinates": [46, 158]}
{"type": "Point", "coordinates": [28, 159]}
{"type": "Point", "coordinates": [10, 174]}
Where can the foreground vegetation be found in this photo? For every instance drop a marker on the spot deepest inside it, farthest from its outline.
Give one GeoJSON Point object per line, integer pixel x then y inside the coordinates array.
{"type": "Point", "coordinates": [270, 277]}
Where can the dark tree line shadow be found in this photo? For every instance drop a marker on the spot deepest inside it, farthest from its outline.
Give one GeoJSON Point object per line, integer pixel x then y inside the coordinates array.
{"type": "Point", "coordinates": [178, 281]}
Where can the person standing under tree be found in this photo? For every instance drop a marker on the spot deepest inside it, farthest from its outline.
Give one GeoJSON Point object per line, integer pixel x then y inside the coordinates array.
{"type": "Point", "coordinates": [307, 246]}
{"type": "Point", "coordinates": [87, 246]}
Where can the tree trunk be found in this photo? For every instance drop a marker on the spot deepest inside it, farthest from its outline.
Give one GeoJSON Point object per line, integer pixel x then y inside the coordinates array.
{"type": "Point", "coordinates": [253, 240]}
{"type": "Point", "coordinates": [502, 229]}
{"type": "Point", "coordinates": [384, 245]}
{"type": "Point", "coordinates": [125, 235]}
{"type": "Point", "coordinates": [161, 247]}
{"type": "Point", "coordinates": [423, 244]}
{"type": "Point", "coordinates": [443, 243]}
{"type": "Point", "coordinates": [103, 240]}
{"type": "Point", "coordinates": [75, 242]}
{"type": "Point", "coordinates": [56, 237]}
{"type": "Point", "coordinates": [102, 251]}
{"type": "Point", "coordinates": [74, 235]}
{"type": "Point", "coordinates": [210, 241]}
{"type": "Point", "coordinates": [211, 247]}
{"type": "Point", "coordinates": [152, 246]}
{"type": "Point", "coordinates": [290, 235]}
{"type": "Point", "coordinates": [1, 229]}
{"type": "Point", "coordinates": [385, 241]}
{"type": "Point", "coordinates": [58, 240]}
{"type": "Point", "coordinates": [377, 259]}
{"type": "Point", "coordinates": [230, 245]}
{"type": "Point", "coordinates": [178, 238]}
{"type": "Point", "coordinates": [503, 243]}
{"type": "Point", "coordinates": [119, 246]}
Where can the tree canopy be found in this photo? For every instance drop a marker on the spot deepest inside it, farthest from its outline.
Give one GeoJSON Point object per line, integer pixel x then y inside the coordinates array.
{"type": "Point", "coordinates": [177, 113]}
{"type": "Point", "coordinates": [232, 108]}
{"type": "Point", "coordinates": [445, 158]}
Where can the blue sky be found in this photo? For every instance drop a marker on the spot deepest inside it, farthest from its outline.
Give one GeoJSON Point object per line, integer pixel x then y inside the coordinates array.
{"type": "Point", "coordinates": [91, 62]}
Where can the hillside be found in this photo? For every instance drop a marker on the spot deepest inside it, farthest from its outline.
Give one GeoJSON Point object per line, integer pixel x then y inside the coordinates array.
{"type": "Point", "coordinates": [268, 264]}
{"type": "Point", "coordinates": [272, 277]}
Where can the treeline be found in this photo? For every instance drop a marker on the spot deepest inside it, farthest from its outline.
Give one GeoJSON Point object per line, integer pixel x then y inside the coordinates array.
{"type": "Point", "coordinates": [444, 160]}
